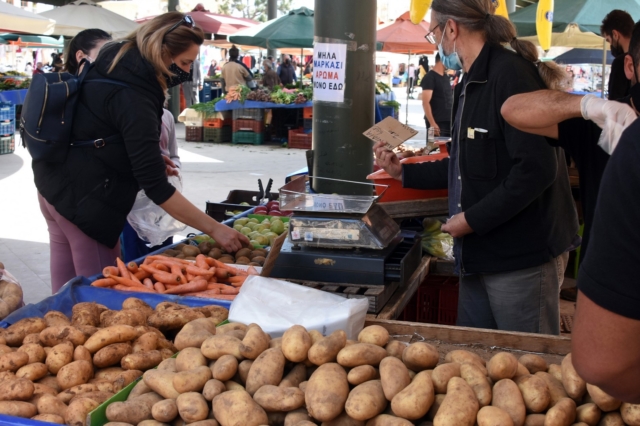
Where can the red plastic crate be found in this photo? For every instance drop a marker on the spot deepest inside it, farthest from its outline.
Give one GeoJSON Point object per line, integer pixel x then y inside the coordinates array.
{"type": "Point", "coordinates": [213, 122]}
{"type": "Point", "coordinates": [436, 301]}
{"type": "Point", "coordinates": [307, 112]}
{"type": "Point", "coordinates": [254, 126]}
{"type": "Point", "coordinates": [193, 134]}
{"type": "Point", "coordinates": [299, 139]}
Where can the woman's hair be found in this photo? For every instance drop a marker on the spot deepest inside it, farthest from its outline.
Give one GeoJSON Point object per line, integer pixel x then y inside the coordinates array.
{"type": "Point", "coordinates": [479, 16]}
{"type": "Point", "coordinates": [153, 38]}
{"type": "Point", "coordinates": [84, 41]}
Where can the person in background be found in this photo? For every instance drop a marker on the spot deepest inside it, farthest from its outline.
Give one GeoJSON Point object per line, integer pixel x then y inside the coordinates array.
{"type": "Point", "coordinates": [437, 99]}
{"type": "Point", "coordinates": [133, 247]}
{"type": "Point", "coordinates": [213, 68]}
{"type": "Point", "coordinates": [234, 73]}
{"type": "Point", "coordinates": [511, 212]}
{"type": "Point", "coordinates": [270, 78]}
{"type": "Point", "coordinates": [39, 69]}
{"type": "Point", "coordinates": [85, 45]}
{"type": "Point", "coordinates": [192, 88]}
{"type": "Point", "coordinates": [390, 74]}
{"type": "Point", "coordinates": [411, 79]}
{"type": "Point", "coordinates": [56, 62]}
{"type": "Point", "coordinates": [28, 69]}
{"type": "Point", "coordinates": [616, 29]}
{"type": "Point", "coordinates": [286, 72]}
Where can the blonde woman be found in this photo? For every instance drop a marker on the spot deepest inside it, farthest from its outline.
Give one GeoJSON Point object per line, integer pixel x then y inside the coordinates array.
{"type": "Point", "coordinates": [115, 150]}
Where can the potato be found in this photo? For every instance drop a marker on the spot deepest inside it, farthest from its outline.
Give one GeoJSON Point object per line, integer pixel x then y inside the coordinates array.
{"type": "Point", "coordinates": [362, 374]}
{"type": "Point", "coordinates": [141, 361]}
{"type": "Point", "coordinates": [420, 356]}
{"type": "Point", "coordinates": [232, 326]}
{"type": "Point", "coordinates": [366, 401]}
{"type": "Point", "coordinates": [110, 335]}
{"type": "Point", "coordinates": [103, 385]}
{"type": "Point", "coordinates": [344, 420]}
{"type": "Point", "coordinates": [589, 414]}
{"type": "Point", "coordinates": [254, 342]}
{"type": "Point", "coordinates": [17, 389]}
{"type": "Point", "coordinates": [556, 371]}
{"type": "Point", "coordinates": [461, 356]}
{"type": "Point", "coordinates": [97, 396]}
{"type": "Point", "coordinates": [33, 372]}
{"type": "Point", "coordinates": [78, 410]}
{"type": "Point", "coordinates": [80, 353]}
{"type": "Point", "coordinates": [4, 349]}
{"type": "Point", "coordinates": [194, 333]}
{"type": "Point", "coordinates": [49, 418]}
{"type": "Point", "coordinates": [166, 353]}
{"type": "Point", "coordinates": [303, 386]}
{"type": "Point", "coordinates": [224, 368]}
{"type": "Point", "coordinates": [267, 369]}
{"type": "Point", "coordinates": [59, 356]}
{"type": "Point", "coordinates": [502, 365]}
{"type": "Point", "coordinates": [237, 408]}
{"type": "Point", "coordinates": [212, 389]}
{"type": "Point", "coordinates": [459, 407]}
{"type": "Point", "coordinates": [111, 354]}
{"type": "Point", "coordinates": [139, 389]}
{"type": "Point", "coordinates": [161, 382]}
{"type": "Point", "coordinates": [296, 343]}
{"type": "Point", "coordinates": [561, 414]}
{"type": "Point", "coordinates": [273, 343]}
{"type": "Point", "coordinates": [67, 395]}
{"type": "Point", "coordinates": [374, 334]}
{"type": "Point", "coordinates": [611, 419]}
{"type": "Point", "coordinates": [442, 374]}
{"type": "Point", "coordinates": [56, 318]}
{"type": "Point", "coordinates": [192, 380]}
{"type": "Point", "coordinates": [190, 358]}
{"type": "Point", "coordinates": [86, 313]}
{"type": "Point", "coordinates": [437, 402]}
{"type": "Point", "coordinates": [192, 407]}
{"type": "Point", "coordinates": [132, 412]}
{"type": "Point", "coordinates": [326, 349]}
{"type": "Point", "coordinates": [50, 381]}
{"type": "Point", "coordinates": [276, 398]}
{"type": "Point", "coordinates": [415, 400]}
{"type": "Point", "coordinates": [132, 317]}
{"type": "Point", "coordinates": [603, 400]}
{"type": "Point", "coordinates": [556, 390]}
{"type": "Point", "coordinates": [388, 420]}
{"type": "Point", "coordinates": [297, 375]}
{"type": "Point", "coordinates": [13, 361]}
{"type": "Point", "coordinates": [493, 416]}
{"type": "Point", "coordinates": [52, 336]}
{"type": "Point", "coordinates": [533, 363]}
{"type": "Point", "coordinates": [361, 354]}
{"type": "Point", "coordinates": [207, 422]}
{"type": "Point", "coordinates": [35, 352]}
{"type": "Point", "coordinates": [394, 377]}
{"type": "Point", "coordinates": [75, 373]}
{"type": "Point", "coordinates": [296, 416]}
{"type": "Point", "coordinates": [534, 420]}
{"type": "Point", "coordinates": [15, 333]}
{"type": "Point", "coordinates": [146, 342]}
{"type": "Point", "coordinates": [507, 396]}
{"type": "Point", "coordinates": [327, 392]}
{"type": "Point", "coordinates": [39, 388]}
{"type": "Point", "coordinates": [165, 411]}
{"type": "Point", "coordinates": [572, 382]}
{"type": "Point", "coordinates": [173, 319]}
{"type": "Point", "coordinates": [31, 338]}
{"type": "Point", "coordinates": [135, 303]}
{"type": "Point", "coordinates": [217, 313]}
{"type": "Point", "coordinates": [630, 413]}
{"type": "Point", "coordinates": [535, 393]}
{"type": "Point", "coordinates": [125, 378]}
{"type": "Point", "coordinates": [220, 344]}
{"type": "Point", "coordinates": [473, 375]}
{"type": "Point", "coordinates": [18, 409]}
{"type": "Point", "coordinates": [243, 370]}
{"type": "Point", "coordinates": [231, 385]}
{"type": "Point", "coordinates": [168, 364]}
{"type": "Point", "coordinates": [395, 348]}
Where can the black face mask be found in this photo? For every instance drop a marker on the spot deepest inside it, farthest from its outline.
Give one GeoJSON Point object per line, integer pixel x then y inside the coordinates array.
{"type": "Point", "coordinates": [616, 50]}
{"type": "Point", "coordinates": [180, 76]}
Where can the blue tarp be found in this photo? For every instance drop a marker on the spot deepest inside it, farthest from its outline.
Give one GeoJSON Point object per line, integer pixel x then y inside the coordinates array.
{"type": "Point", "coordinates": [223, 106]}
{"type": "Point", "coordinates": [16, 97]}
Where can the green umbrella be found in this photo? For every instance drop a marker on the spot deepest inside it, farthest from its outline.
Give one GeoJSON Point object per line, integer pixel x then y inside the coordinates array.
{"type": "Point", "coordinates": [294, 29]}
{"type": "Point", "coordinates": [23, 40]}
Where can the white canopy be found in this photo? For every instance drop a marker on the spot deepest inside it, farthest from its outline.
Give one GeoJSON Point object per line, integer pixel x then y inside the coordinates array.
{"type": "Point", "coordinates": [84, 14]}
{"type": "Point", "coordinates": [15, 19]}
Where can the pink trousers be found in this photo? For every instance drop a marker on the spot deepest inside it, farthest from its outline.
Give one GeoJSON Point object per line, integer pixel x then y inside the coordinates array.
{"type": "Point", "coordinates": [73, 253]}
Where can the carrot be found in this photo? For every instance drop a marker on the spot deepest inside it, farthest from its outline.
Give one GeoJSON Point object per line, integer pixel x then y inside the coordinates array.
{"type": "Point", "coordinates": [147, 283]}
{"type": "Point", "coordinates": [252, 270]}
{"type": "Point", "coordinates": [128, 282]}
{"type": "Point", "coordinates": [222, 274]}
{"type": "Point", "coordinates": [209, 295]}
{"type": "Point", "coordinates": [147, 261]}
{"type": "Point", "coordinates": [110, 270]}
{"type": "Point", "coordinates": [135, 279]}
{"type": "Point", "coordinates": [216, 286]}
{"type": "Point", "coordinates": [168, 259]}
{"type": "Point", "coordinates": [201, 262]}
{"type": "Point", "coordinates": [213, 290]}
{"type": "Point", "coordinates": [194, 270]}
{"type": "Point", "coordinates": [161, 266]}
{"type": "Point", "coordinates": [159, 287]}
{"type": "Point", "coordinates": [142, 274]}
{"type": "Point", "coordinates": [210, 261]}
{"type": "Point", "coordinates": [124, 272]}
{"type": "Point", "coordinates": [229, 290]}
{"type": "Point", "coordinates": [142, 289]}
{"type": "Point", "coordinates": [196, 285]}
{"type": "Point", "coordinates": [167, 278]}
{"type": "Point", "coordinates": [177, 270]}
{"type": "Point", "coordinates": [236, 281]}
{"type": "Point", "coordinates": [212, 280]}
{"type": "Point", "coordinates": [104, 282]}
{"type": "Point", "coordinates": [190, 277]}
{"type": "Point", "coordinates": [132, 267]}
{"type": "Point", "coordinates": [151, 269]}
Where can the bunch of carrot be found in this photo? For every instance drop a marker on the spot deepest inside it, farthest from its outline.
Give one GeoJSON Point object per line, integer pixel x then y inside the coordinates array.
{"type": "Point", "coordinates": [207, 277]}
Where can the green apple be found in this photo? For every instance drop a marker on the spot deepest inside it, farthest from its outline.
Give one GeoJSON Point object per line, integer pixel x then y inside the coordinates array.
{"type": "Point", "coordinates": [238, 227]}
{"type": "Point", "coordinates": [254, 220]}
{"type": "Point", "coordinates": [242, 221]}
{"type": "Point", "coordinates": [245, 231]}
{"type": "Point", "coordinates": [277, 226]}
{"type": "Point", "coordinates": [261, 239]}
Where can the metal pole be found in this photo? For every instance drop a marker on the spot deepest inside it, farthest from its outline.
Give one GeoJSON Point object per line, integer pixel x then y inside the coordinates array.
{"type": "Point", "coordinates": [511, 5]}
{"type": "Point", "coordinates": [341, 151]}
{"type": "Point", "coordinates": [174, 92]}
{"type": "Point", "coordinates": [604, 64]}
{"type": "Point", "coordinates": [406, 117]}
{"type": "Point", "coordinates": [272, 13]}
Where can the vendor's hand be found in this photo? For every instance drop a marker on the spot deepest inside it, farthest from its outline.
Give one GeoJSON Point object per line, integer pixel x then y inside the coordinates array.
{"type": "Point", "coordinates": [172, 169]}
{"type": "Point", "coordinates": [436, 130]}
{"type": "Point", "coordinates": [618, 117]}
{"type": "Point", "coordinates": [388, 160]}
{"type": "Point", "coordinates": [457, 226]}
{"type": "Point", "coordinates": [229, 238]}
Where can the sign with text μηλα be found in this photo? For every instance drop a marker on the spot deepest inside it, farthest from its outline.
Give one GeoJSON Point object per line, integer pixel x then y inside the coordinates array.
{"type": "Point", "coordinates": [329, 71]}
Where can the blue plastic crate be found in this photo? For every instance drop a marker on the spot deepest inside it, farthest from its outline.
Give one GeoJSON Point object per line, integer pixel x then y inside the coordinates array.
{"type": "Point", "coordinates": [7, 111]}
{"type": "Point", "coordinates": [7, 128]}
{"type": "Point", "coordinates": [387, 111]}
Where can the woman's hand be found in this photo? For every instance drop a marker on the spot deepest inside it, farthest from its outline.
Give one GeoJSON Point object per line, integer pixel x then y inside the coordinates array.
{"type": "Point", "coordinates": [172, 169]}
{"type": "Point", "coordinates": [388, 160]}
{"type": "Point", "coordinates": [229, 238]}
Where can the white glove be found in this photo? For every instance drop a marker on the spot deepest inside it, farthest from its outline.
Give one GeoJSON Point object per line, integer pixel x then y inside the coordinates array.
{"type": "Point", "coordinates": [611, 116]}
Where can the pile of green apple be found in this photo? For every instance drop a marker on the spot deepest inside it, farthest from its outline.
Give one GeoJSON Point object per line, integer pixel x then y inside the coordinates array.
{"type": "Point", "coordinates": [260, 233]}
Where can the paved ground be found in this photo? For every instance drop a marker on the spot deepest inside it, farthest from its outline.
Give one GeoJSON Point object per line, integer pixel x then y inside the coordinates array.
{"type": "Point", "coordinates": [210, 171]}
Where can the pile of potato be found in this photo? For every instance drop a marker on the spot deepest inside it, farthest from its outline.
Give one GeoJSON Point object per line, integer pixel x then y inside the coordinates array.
{"type": "Point", "coordinates": [58, 369]}
{"type": "Point", "coordinates": [244, 256]}
{"type": "Point", "coordinates": [236, 375]}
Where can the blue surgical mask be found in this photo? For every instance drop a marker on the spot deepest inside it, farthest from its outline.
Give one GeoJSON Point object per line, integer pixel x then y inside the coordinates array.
{"type": "Point", "coordinates": [451, 61]}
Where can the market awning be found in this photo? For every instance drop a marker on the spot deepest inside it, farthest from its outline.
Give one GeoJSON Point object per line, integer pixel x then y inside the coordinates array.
{"type": "Point", "coordinates": [22, 40]}
{"type": "Point", "coordinates": [583, 56]}
{"type": "Point", "coordinates": [573, 37]}
{"type": "Point", "coordinates": [213, 23]}
{"type": "Point", "coordinates": [15, 19]}
{"type": "Point", "coordinates": [84, 14]}
{"type": "Point", "coordinates": [402, 36]}
{"type": "Point", "coordinates": [292, 30]}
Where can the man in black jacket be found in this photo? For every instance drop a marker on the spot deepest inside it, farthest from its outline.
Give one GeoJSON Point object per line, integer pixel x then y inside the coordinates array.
{"type": "Point", "coordinates": [616, 28]}
{"type": "Point", "coordinates": [512, 216]}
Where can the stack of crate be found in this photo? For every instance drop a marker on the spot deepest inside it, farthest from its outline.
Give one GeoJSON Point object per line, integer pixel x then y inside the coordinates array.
{"type": "Point", "coordinates": [301, 138]}
{"type": "Point", "coordinates": [248, 126]}
{"type": "Point", "coordinates": [7, 127]}
{"type": "Point", "coordinates": [193, 126]}
{"type": "Point", "coordinates": [217, 128]}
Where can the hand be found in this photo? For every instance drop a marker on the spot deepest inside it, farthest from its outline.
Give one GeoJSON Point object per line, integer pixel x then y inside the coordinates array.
{"type": "Point", "coordinates": [436, 130]}
{"type": "Point", "coordinates": [229, 238]}
{"type": "Point", "coordinates": [172, 169]}
{"type": "Point", "coordinates": [618, 117]}
{"type": "Point", "coordinates": [388, 160]}
{"type": "Point", "coordinates": [457, 226]}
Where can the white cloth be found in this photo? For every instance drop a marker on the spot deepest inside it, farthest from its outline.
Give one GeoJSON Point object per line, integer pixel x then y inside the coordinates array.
{"type": "Point", "coordinates": [611, 116]}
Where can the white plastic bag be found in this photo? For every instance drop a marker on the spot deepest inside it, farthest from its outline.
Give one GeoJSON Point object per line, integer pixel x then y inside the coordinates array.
{"type": "Point", "coordinates": [277, 305]}
{"type": "Point", "coordinates": [150, 221]}
{"type": "Point", "coordinates": [11, 295]}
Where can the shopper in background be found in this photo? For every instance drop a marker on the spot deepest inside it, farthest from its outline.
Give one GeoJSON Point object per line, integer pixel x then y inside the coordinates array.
{"type": "Point", "coordinates": [192, 88]}
{"type": "Point", "coordinates": [286, 72]}
{"type": "Point", "coordinates": [85, 45]}
{"type": "Point", "coordinates": [28, 69]}
{"type": "Point", "coordinates": [213, 68]}
{"type": "Point", "coordinates": [234, 72]}
{"type": "Point", "coordinates": [437, 98]}
{"type": "Point", "coordinates": [93, 190]}
{"type": "Point", "coordinates": [511, 212]}
{"type": "Point", "coordinates": [616, 29]}
{"type": "Point", "coordinates": [411, 79]}
{"type": "Point", "coordinates": [269, 78]}
{"type": "Point", "coordinates": [39, 69]}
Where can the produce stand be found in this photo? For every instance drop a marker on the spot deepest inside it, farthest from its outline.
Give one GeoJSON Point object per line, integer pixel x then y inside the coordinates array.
{"type": "Point", "coordinates": [224, 106]}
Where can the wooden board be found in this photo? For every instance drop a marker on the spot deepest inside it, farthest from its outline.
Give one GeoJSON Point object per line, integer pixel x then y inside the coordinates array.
{"type": "Point", "coordinates": [378, 295]}
{"type": "Point", "coordinates": [416, 208]}
{"type": "Point", "coordinates": [274, 252]}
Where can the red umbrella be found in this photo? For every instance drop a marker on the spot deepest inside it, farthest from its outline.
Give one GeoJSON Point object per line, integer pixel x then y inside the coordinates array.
{"type": "Point", "coordinates": [402, 36]}
{"type": "Point", "coordinates": [213, 23]}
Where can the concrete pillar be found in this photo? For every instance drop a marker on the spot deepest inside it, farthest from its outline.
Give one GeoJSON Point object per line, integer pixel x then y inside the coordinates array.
{"type": "Point", "coordinates": [174, 92]}
{"type": "Point", "coordinates": [341, 151]}
{"type": "Point", "coordinates": [272, 13]}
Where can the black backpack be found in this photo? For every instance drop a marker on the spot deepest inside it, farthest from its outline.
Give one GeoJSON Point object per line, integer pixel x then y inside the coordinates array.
{"type": "Point", "coordinates": [46, 121]}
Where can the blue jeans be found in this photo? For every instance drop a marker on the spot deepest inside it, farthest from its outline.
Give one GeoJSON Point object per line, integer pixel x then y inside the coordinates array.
{"type": "Point", "coordinates": [526, 300]}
